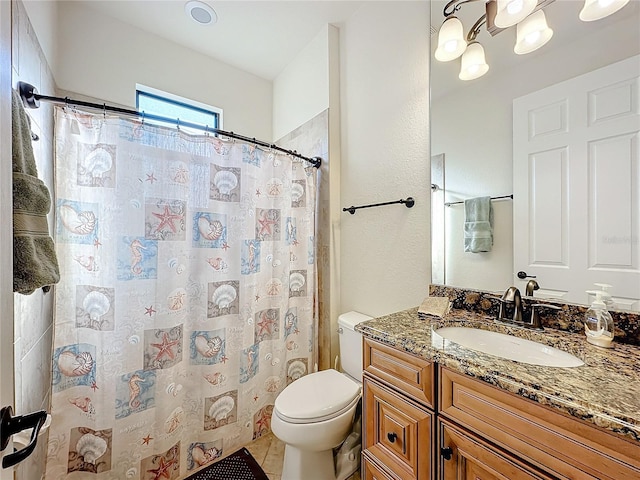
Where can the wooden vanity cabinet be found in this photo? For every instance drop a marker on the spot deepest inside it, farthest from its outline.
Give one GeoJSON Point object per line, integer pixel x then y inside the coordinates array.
{"type": "Point", "coordinates": [398, 400]}
{"type": "Point", "coordinates": [546, 439]}
{"type": "Point", "coordinates": [474, 431]}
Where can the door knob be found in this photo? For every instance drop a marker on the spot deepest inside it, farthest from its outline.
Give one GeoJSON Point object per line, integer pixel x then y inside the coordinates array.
{"type": "Point", "coordinates": [522, 275]}
{"type": "Point", "coordinates": [392, 436]}
{"type": "Point", "coordinates": [10, 425]}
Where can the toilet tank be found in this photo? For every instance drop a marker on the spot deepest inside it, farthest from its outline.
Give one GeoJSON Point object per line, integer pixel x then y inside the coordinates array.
{"type": "Point", "coordinates": [351, 343]}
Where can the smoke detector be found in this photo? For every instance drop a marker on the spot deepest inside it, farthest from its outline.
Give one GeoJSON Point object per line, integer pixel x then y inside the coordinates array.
{"type": "Point", "coordinates": [200, 12]}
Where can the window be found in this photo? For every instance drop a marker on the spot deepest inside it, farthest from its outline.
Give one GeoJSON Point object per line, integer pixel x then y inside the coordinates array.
{"type": "Point", "coordinates": [157, 102]}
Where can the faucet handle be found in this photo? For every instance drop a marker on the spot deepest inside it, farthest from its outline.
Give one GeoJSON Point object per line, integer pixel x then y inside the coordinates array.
{"type": "Point", "coordinates": [531, 286]}
{"type": "Point", "coordinates": [535, 317]}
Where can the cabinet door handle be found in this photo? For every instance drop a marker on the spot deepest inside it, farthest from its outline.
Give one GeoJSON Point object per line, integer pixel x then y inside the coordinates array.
{"type": "Point", "coordinates": [446, 452]}
{"type": "Point", "coordinates": [392, 437]}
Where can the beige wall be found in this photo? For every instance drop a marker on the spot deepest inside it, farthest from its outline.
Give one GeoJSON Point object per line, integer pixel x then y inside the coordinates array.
{"type": "Point", "coordinates": [385, 251]}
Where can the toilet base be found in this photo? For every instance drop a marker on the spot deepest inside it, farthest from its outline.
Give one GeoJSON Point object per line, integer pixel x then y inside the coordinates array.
{"type": "Point", "coordinates": [299, 464]}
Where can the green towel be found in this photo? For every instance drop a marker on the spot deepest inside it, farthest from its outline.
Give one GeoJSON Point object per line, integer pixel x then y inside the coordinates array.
{"type": "Point", "coordinates": [34, 258]}
{"type": "Point", "coordinates": [478, 225]}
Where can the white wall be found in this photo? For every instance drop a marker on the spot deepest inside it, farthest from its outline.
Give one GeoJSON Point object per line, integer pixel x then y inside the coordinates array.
{"type": "Point", "coordinates": [385, 251]}
{"type": "Point", "coordinates": [44, 19]}
{"type": "Point", "coordinates": [105, 58]}
{"type": "Point", "coordinates": [301, 90]}
{"type": "Point", "coordinates": [472, 126]}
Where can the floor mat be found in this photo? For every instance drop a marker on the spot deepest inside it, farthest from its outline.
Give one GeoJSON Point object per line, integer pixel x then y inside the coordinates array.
{"type": "Point", "coordinates": [239, 465]}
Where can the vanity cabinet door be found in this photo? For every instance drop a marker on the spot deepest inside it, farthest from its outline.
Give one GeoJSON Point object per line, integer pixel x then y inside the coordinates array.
{"type": "Point", "coordinates": [397, 432]}
{"type": "Point", "coordinates": [556, 443]}
{"type": "Point", "coordinates": [464, 456]}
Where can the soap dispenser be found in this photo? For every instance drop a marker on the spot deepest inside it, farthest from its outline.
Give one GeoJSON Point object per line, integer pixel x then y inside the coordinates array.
{"type": "Point", "coordinates": [606, 296]}
{"type": "Point", "coordinates": [598, 324]}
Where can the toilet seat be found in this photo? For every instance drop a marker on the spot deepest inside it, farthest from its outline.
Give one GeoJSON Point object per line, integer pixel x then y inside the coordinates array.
{"type": "Point", "coordinates": [317, 397]}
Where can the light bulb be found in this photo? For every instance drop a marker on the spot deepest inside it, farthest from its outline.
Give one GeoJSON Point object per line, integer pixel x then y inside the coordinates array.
{"type": "Point", "coordinates": [532, 37]}
{"type": "Point", "coordinates": [515, 6]}
{"type": "Point", "coordinates": [450, 46]}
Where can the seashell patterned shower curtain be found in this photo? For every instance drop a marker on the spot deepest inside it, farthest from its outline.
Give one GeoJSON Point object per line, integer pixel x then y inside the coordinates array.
{"type": "Point", "coordinates": [186, 299]}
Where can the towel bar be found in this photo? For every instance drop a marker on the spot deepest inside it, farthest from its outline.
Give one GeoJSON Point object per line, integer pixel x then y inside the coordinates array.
{"type": "Point", "coordinates": [409, 202]}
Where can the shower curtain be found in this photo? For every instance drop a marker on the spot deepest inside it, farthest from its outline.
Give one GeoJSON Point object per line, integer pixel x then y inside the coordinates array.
{"type": "Point", "coordinates": [186, 300]}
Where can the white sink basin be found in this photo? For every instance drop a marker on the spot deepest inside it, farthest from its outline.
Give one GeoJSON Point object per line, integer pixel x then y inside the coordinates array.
{"type": "Point", "coordinates": [505, 346]}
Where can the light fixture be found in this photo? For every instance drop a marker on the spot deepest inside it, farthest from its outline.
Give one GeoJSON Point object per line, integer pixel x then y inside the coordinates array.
{"type": "Point", "coordinates": [510, 12]}
{"type": "Point", "coordinates": [200, 12]}
{"type": "Point", "coordinates": [473, 63]}
{"type": "Point", "coordinates": [451, 43]}
{"type": "Point", "coordinates": [532, 33]}
{"type": "Point", "coordinates": [597, 9]}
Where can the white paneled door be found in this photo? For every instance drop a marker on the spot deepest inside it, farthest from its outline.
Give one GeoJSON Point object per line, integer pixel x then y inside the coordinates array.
{"type": "Point", "coordinates": [577, 185]}
{"type": "Point", "coordinates": [6, 249]}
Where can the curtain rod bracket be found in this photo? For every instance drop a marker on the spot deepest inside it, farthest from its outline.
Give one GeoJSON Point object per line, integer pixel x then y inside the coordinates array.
{"type": "Point", "coordinates": [28, 94]}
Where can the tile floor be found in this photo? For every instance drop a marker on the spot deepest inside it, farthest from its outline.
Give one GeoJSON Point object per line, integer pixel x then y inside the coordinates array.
{"type": "Point", "coordinates": [269, 453]}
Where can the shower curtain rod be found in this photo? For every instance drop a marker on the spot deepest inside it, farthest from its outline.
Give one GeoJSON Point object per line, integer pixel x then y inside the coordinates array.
{"type": "Point", "coordinates": [31, 98]}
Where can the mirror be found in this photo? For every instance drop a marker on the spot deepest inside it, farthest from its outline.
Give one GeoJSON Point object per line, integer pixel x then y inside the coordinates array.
{"type": "Point", "coordinates": [471, 125]}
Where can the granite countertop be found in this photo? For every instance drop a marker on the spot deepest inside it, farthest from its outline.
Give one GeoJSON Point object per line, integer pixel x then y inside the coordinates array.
{"type": "Point", "coordinates": [605, 391]}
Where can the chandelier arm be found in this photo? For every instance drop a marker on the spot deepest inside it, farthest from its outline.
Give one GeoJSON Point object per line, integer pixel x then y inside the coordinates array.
{"type": "Point", "coordinates": [475, 30]}
{"type": "Point", "coordinates": [455, 5]}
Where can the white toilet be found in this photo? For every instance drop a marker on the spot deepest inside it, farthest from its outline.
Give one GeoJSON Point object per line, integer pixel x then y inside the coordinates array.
{"type": "Point", "coordinates": [315, 413]}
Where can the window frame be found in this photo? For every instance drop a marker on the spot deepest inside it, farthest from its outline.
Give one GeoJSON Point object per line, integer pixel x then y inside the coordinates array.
{"type": "Point", "coordinates": [179, 101]}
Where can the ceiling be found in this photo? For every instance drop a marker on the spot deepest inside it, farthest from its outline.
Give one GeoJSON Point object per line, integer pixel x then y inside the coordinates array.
{"type": "Point", "coordinates": [263, 36]}
{"type": "Point", "coordinates": [260, 37]}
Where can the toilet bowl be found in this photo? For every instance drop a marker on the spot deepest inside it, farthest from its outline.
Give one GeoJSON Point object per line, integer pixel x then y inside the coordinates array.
{"type": "Point", "coordinates": [315, 413]}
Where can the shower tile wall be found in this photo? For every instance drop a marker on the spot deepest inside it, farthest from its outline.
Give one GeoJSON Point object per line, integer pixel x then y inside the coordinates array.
{"type": "Point", "coordinates": [33, 313]}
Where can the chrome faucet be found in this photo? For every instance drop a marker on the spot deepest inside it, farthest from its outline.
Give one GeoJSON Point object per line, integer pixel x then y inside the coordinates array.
{"type": "Point", "coordinates": [531, 286]}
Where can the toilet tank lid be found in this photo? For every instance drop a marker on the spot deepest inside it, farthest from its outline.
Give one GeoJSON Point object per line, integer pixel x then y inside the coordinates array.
{"type": "Point", "coordinates": [351, 319]}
